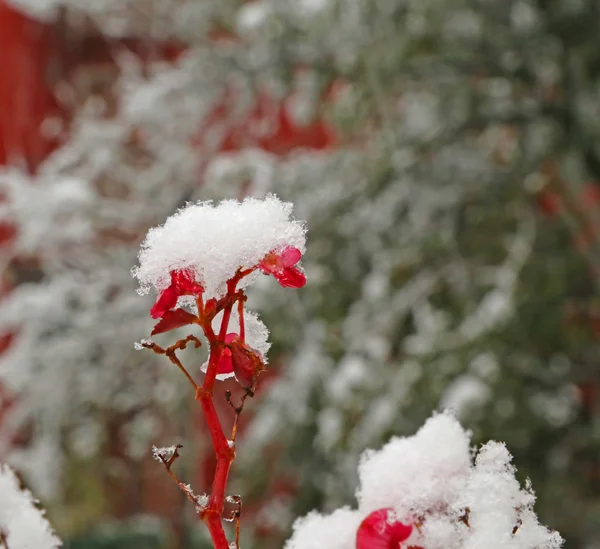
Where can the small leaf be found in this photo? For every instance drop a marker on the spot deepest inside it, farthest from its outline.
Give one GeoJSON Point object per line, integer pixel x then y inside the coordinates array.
{"type": "Point", "coordinates": [173, 319]}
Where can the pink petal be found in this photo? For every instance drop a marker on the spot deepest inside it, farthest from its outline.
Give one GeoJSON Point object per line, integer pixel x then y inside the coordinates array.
{"type": "Point", "coordinates": [165, 302]}
{"type": "Point", "coordinates": [290, 256]}
{"type": "Point", "coordinates": [376, 532]}
{"type": "Point", "coordinates": [231, 337]}
{"type": "Point", "coordinates": [291, 277]}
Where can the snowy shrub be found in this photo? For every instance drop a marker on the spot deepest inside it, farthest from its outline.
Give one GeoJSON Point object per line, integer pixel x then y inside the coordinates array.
{"type": "Point", "coordinates": [22, 524]}
{"type": "Point", "coordinates": [431, 491]}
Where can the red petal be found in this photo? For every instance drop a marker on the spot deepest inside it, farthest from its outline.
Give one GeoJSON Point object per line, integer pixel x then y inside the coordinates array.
{"type": "Point", "coordinates": [225, 365]}
{"type": "Point", "coordinates": [185, 282]}
{"type": "Point", "coordinates": [291, 277]}
{"type": "Point", "coordinates": [165, 302]}
{"type": "Point", "coordinates": [173, 319]}
{"type": "Point", "coordinates": [290, 256]}
{"type": "Point", "coordinates": [376, 532]}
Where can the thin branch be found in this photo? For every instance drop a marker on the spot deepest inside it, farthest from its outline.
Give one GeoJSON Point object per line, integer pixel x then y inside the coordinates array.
{"type": "Point", "coordinates": [249, 392]}
{"type": "Point", "coordinates": [236, 515]}
{"type": "Point", "coordinates": [170, 353]}
{"type": "Point", "coordinates": [4, 540]}
{"type": "Point", "coordinates": [185, 488]}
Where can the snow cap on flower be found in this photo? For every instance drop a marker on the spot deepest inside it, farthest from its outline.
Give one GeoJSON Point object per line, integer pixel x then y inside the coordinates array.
{"type": "Point", "coordinates": [426, 468]}
{"type": "Point", "coordinates": [214, 241]}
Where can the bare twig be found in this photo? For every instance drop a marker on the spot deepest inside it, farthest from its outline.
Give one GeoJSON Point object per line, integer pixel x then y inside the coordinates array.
{"type": "Point", "coordinates": [248, 392]}
{"type": "Point", "coordinates": [170, 353]}
{"type": "Point", "coordinates": [185, 488]}
{"type": "Point", "coordinates": [235, 516]}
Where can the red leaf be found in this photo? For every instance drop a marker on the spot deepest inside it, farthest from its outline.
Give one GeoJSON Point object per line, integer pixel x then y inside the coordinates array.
{"type": "Point", "coordinates": [166, 301]}
{"type": "Point", "coordinates": [173, 319]}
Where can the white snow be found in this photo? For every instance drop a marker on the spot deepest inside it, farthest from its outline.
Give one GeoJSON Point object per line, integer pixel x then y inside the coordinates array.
{"type": "Point", "coordinates": [21, 522]}
{"type": "Point", "coordinates": [430, 478]}
{"type": "Point", "coordinates": [214, 241]}
{"type": "Point", "coordinates": [163, 454]}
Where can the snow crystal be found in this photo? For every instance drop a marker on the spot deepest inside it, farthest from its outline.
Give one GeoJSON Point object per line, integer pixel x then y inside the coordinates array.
{"type": "Point", "coordinates": [140, 345]}
{"type": "Point", "coordinates": [430, 480]}
{"type": "Point", "coordinates": [21, 521]}
{"type": "Point", "coordinates": [257, 335]}
{"type": "Point", "coordinates": [200, 500]}
{"type": "Point", "coordinates": [214, 241]}
{"type": "Point", "coordinates": [163, 454]}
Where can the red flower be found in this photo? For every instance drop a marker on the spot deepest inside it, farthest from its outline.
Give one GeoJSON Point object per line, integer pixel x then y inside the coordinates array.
{"type": "Point", "coordinates": [381, 530]}
{"type": "Point", "coordinates": [241, 360]}
{"type": "Point", "coordinates": [182, 283]}
{"type": "Point", "coordinates": [281, 266]}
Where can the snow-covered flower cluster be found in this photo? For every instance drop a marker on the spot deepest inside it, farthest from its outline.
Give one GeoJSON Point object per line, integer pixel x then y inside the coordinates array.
{"type": "Point", "coordinates": [22, 524]}
{"type": "Point", "coordinates": [203, 255]}
{"type": "Point", "coordinates": [212, 242]}
{"type": "Point", "coordinates": [427, 491]}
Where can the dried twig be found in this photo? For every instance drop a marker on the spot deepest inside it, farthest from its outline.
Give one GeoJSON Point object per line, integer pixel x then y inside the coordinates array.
{"type": "Point", "coordinates": [170, 353]}
{"type": "Point", "coordinates": [235, 516]}
{"type": "Point", "coordinates": [248, 392]}
{"type": "Point", "coordinates": [198, 501]}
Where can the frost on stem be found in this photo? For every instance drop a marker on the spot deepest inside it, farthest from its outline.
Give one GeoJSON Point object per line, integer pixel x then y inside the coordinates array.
{"type": "Point", "coordinates": [202, 258]}
{"type": "Point", "coordinates": [426, 491]}
{"type": "Point", "coordinates": [22, 524]}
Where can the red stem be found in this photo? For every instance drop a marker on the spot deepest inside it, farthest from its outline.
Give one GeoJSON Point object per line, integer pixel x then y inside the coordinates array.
{"type": "Point", "coordinates": [224, 452]}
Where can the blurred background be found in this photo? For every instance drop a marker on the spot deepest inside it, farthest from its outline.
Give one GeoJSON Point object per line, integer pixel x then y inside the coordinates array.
{"type": "Point", "coordinates": [446, 155]}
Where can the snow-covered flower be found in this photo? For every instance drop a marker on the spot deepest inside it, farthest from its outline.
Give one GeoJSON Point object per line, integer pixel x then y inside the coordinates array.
{"type": "Point", "coordinates": [214, 242]}
{"type": "Point", "coordinates": [426, 491]}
